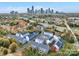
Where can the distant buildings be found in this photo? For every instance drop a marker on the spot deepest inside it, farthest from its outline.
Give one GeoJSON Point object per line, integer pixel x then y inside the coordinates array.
{"type": "Point", "coordinates": [32, 10]}
{"type": "Point", "coordinates": [42, 11]}
{"type": "Point", "coordinates": [28, 10]}
{"type": "Point", "coordinates": [39, 11]}
{"type": "Point", "coordinates": [13, 12]}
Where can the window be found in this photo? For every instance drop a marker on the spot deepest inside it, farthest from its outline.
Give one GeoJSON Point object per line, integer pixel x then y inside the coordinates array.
{"type": "Point", "coordinates": [59, 44]}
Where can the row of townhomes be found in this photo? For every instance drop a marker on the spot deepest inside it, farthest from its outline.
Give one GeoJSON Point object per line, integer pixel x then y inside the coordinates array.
{"type": "Point", "coordinates": [43, 41]}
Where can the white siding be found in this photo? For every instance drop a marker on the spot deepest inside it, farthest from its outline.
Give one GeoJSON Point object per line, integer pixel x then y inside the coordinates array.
{"type": "Point", "coordinates": [47, 33]}
{"type": "Point", "coordinates": [27, 38]}
{"type": "Point", "coordinates": [39, 41]}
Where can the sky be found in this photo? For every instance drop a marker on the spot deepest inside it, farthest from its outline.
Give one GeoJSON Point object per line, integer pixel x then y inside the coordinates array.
{"type": "Point", "coordinates": [21, 7]}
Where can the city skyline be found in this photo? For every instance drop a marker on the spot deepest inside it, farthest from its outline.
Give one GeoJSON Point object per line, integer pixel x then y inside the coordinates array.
{"type": "Point", "coordinates": [40, 11]}
{"type": "Point", "coordinates": [21, 7]}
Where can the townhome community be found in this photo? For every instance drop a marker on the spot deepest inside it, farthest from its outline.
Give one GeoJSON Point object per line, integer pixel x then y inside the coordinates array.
{"type": "Point", "coordinates": [39, 32]}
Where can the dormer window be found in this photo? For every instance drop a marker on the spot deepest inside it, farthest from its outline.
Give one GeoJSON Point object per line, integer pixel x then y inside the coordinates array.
{"type": "Point", "coordinates": [17, 34]}
{"type": "Point", "coordinates": [21, 36]}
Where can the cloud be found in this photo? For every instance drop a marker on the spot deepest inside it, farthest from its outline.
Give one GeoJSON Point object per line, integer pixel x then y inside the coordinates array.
{"type": "Point", "coordinates": [24, 9]}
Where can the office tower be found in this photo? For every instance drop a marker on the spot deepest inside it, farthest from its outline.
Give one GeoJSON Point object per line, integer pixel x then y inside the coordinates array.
{"type": "Point", "coordinates": [52, 11]}
{"type": "Point", "coordinates": [28, 10]}
{"type": "Point", "coordinates": [42, 11]}
{"type": "Point", "coordinates": [46, 11]}
{"type": "Point", "coordinates": [32, 10]}
{"type": "Point", "coordinates": [56, 12]}
{"type": "Point", "coordinates": [12, 12]}
{"type": "Point", "coordinates": [49, 10]}
{"type": "Point", "coordinates": [36, 11]}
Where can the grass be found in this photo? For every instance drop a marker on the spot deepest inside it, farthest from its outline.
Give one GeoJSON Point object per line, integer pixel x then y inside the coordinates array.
{"type": "Point", "coordinates": [67, 50]}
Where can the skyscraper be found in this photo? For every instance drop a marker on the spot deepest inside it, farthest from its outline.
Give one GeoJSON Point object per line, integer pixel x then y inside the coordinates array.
{"type": "Point", "coordinates": [39, 11]}
{"type": "Point", "coordinates": [35, 11]}
{"type": "Point", "coordinates": [49, 10]}
{"type": "Point", "coordinates": [46, 11]}
{"type": "Point", "coordinates": [52, 11]}
{"type": "Point", "coordinates": [42, 11]}
{"type": "Point", "coordinates": [32, 10]}
{"type": "Point", "coordinates": [28, 10]}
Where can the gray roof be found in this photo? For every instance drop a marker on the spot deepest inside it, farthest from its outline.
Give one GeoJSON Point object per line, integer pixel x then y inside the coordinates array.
{"type": "Point", "coordinates": [41, 47]}
{"type": "Point", "coordinates": [21, 40]}
{"type": "Point", "coordinates": [42, 37]}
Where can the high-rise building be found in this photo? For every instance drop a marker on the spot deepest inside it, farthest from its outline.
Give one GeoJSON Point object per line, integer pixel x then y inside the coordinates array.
{"type": "Point", "coordinates": [46, 11]}
{"type": "Point", "coordinates": [57, 12]}
{"type": "Point", "coordinates": [49, 10]}
{"type": "Point", "coordinates": [28, 10]}
{"type": "Point", "coordinates": [52, 11]}
{"type": "Point", "coordinates": [32, 10]}
{"type": "Point", "coordinates": [35, 11]}
{"type": "Point", "coordinates": [42, 11]}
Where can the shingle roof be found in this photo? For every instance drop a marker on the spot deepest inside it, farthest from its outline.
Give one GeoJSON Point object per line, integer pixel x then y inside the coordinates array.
{"type": "Point", "coordinates": [23, 39]}
{"type": "Point", "coordinates": [20, 39]}
{"type": "Point", "coordinates": [42, 47]}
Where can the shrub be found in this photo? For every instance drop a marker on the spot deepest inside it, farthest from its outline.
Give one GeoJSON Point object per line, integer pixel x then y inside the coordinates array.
{"type": "Point", "coordinates": [1, 42]}
{"type": "Point", "coordinates": [74, 54]}
{"type": "Point", "coordinates": [71, 40]}
{"type": "Point", "coordinates": [68, 37]}
{"type": "Point", "coordinates": [1, 49]}
{"type": "Point", "coordinates": [5, 51]}
{"type": "Point", "coordinates": [12, 40]}
{"type": "Point", "coordinates": [13, 23]}
{"type": "Point", "coordinates": [13, 47]}
{"type": "Point", "coordinates": [33, 52]}
{"type": "Point", "coordinates": [6, 43]}
{"type": "Point", "coordinates": [3, 32]}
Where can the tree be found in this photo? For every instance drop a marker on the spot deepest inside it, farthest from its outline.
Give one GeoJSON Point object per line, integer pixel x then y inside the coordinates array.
{"type": "Point", "coordinates": [12, 40]}
{"type": "Point", "coordinates": [5, 51]}
{"type": "Point", "coordinates": [13, 23]}
{"type": "Point", "coordinates": [1, 42]}
{"type": "Point", "coordinates": [0, 17]}
{"type": "Point", "coordinates": [6, 43]}
{"type": "Point", "coordinates": [13, 47]}
{"type": "Point", "coordinates": [3, 32]}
